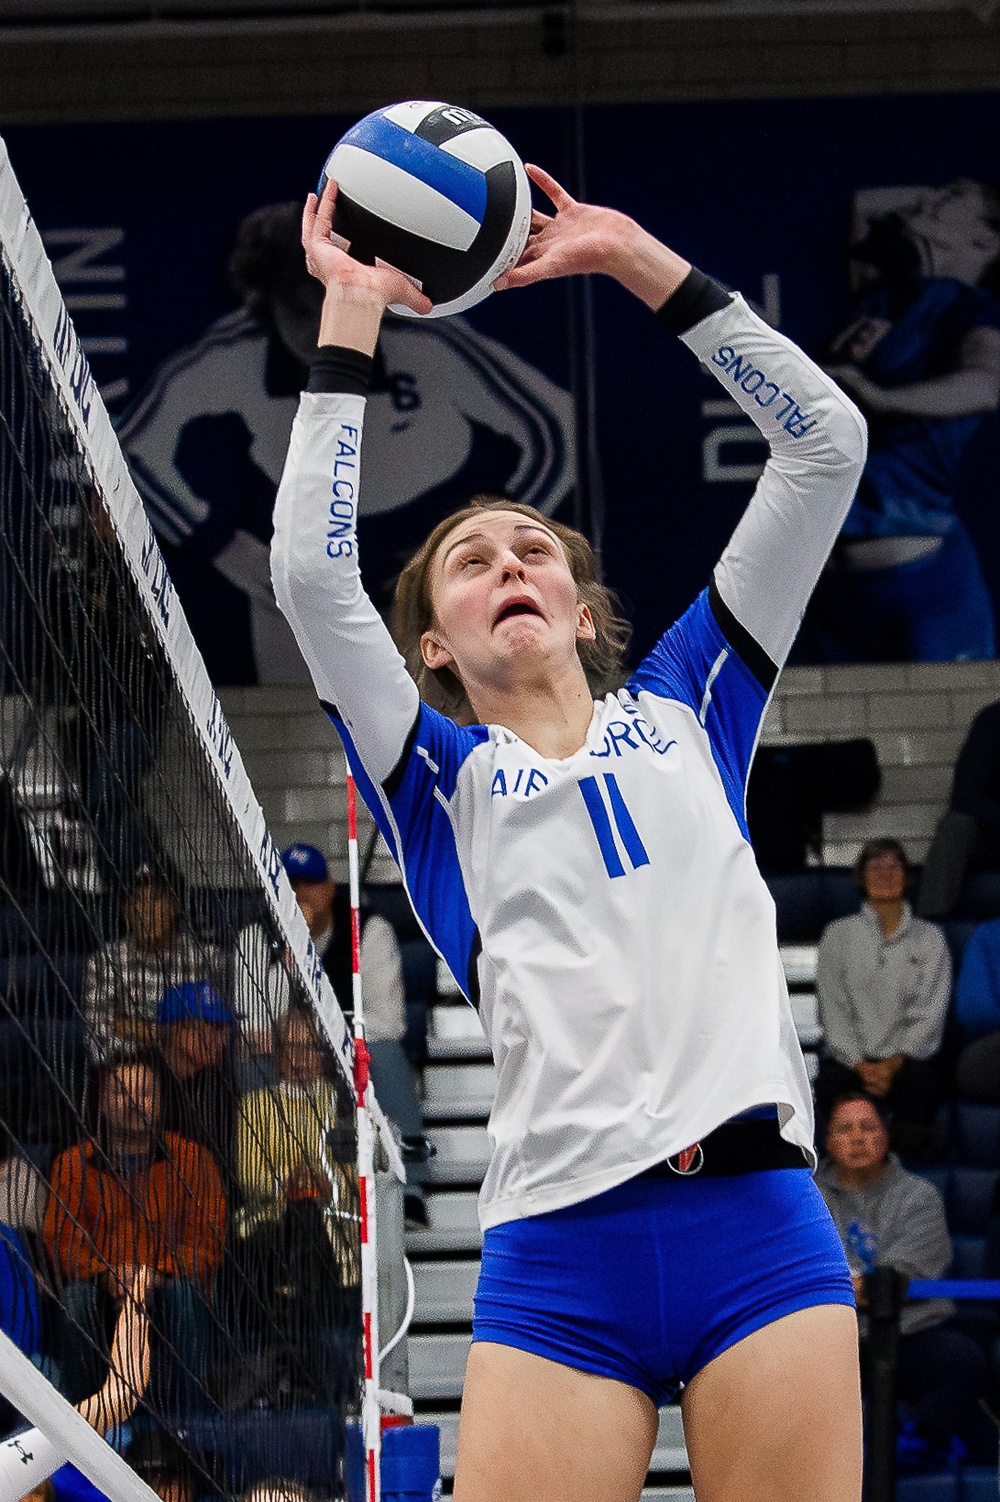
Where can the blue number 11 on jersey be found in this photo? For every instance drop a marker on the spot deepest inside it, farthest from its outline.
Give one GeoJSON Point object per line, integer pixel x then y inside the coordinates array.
{"type": "Point", "coordinates": [602, 819]}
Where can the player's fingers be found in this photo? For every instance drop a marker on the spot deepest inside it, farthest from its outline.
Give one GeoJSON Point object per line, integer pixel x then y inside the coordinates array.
{"type": "Point", "coordinates": [403, 291]}
{"type": "Point", "coordinates": [553, 191]}
{"type": "Point", "coordinates": [308, 218]}
{"type": "Point", "coordinates": [324, 213]}
{"type": "Point", "coordinates": [521, 275]}
{"type": "Point", "coordinates": [539, 221]}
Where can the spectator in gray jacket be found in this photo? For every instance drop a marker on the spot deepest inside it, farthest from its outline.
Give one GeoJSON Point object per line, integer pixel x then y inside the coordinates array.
{"type": "Point", "coordinates": [887, 1216]}
{"type": "Point", "coordinates": [883, 980]}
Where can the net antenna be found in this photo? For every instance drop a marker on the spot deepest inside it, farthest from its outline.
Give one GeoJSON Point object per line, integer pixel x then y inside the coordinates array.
{"type": "Point", "coordinates": [57, 375]}
{"type": "Point", "coordinates": [366, 1160]}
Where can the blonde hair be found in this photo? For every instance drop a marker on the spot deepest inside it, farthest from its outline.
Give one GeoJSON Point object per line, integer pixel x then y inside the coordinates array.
{"type": "Point", "coordinates": [603, 659]}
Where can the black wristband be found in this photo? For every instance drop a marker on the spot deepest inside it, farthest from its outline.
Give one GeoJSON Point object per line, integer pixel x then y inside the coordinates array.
{"type": "Point", "coordinates": [696, 297]}
{"type": "Point", "coordinates": [337, 369]}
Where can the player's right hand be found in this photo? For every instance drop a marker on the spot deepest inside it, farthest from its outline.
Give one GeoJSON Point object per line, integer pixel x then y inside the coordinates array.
{"type": "Point", "coordinates": [344, 278]}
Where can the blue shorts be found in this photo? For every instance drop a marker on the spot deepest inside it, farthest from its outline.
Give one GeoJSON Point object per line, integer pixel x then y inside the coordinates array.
{"type": "Point", "coordinates": [650, 1281]}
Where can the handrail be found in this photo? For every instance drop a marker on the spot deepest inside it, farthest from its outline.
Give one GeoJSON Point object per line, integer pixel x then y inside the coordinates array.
{"type": "Point", "coordinates": [887, 1291]}
{"type": "Point", "coordinates": [953, 1288]}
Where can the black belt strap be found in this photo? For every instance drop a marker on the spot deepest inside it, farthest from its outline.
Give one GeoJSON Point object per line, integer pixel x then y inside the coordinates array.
{"type": "Point", "coordinates": [734, 1147]}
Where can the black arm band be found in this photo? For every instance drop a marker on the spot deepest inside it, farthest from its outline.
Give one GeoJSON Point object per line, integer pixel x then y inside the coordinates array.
{"type": "Point", "coordinates": [695, 298]}
{"type": "Point", "coordinates": [337, 369]}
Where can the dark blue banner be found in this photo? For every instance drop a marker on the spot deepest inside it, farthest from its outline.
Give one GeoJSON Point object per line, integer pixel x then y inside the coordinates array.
{"type": "Point", "coordinates": [175, 246]}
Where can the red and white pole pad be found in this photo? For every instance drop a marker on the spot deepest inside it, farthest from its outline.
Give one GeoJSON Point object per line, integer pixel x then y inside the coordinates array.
{"type": "Point", "coordinates": [370, 1412]}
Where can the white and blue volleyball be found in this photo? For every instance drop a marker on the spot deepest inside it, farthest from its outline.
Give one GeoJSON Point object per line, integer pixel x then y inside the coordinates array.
{"type": "Point", "coordinates": [437, 193]}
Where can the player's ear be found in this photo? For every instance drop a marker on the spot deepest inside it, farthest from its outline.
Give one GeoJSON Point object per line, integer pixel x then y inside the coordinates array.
{"type": "Point", "coordinates": [585, 628]}
{"type": "Point", "coordinates": [434, 652]}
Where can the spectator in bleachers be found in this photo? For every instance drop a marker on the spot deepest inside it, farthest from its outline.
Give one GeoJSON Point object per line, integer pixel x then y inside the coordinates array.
{"type": "Point", "coordinates": [883, 980]}
{"type": "Point", "coordinates": [887, 1216]}
{"type": "Point", "coordinates": [29, 1459]}
{"type": "Point", "coordinates": [261, 998]}
{"type": "Point", "coordinates": [195, 1029]}
{"type": "Point", "coordinates": [126, 979]}
{"type": "Point", "coordinates": [326, 909]}
{"type": "Point", "coordinates": [977, 1011]}
{"type": "Point", "coordinates": [279, 1131]}
{"type": "Point", "coordinates": [23, 1190]}
{"type": "Point", "coordinates": [295, 1198]}
{"type": "Point", "coordinates": [136, 1197]}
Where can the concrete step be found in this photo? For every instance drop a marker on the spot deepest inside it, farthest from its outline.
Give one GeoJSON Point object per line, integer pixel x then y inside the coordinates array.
{"type": "Point", "coordinates": [453, 1225]}
{"type": "Point", "coordinates": [458, 1048]}
{"type": "Point", "coordinates": [668, 1455]}
{"type": "Point", "coordinates": [444, 1291]}
{"type": "Point", "coordinates": [463, 1154]}
{"type": "Point", "coordinates": [454, 1031]}
{"type": "Point", "coordinates": [799, 961]}
{"type": "Point", "coordinates": [805, 1012]}
{"type": "Point", "coordinates": [452, 1090]}
{"type": "Point", "coordinates": [437, 1365]}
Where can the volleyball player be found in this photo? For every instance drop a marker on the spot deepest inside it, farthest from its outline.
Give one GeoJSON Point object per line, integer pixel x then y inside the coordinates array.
{"type": "Point", "coordinates": [578, 853]}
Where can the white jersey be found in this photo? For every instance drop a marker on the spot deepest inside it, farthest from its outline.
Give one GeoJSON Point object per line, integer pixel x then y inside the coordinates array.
{"type": "Point", "coordinates": [605, 911]}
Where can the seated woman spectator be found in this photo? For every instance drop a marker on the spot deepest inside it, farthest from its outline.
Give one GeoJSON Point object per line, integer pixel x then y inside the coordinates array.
{"type": "Point", "coordinates": [294, 1197]}
{"type": "Point", "coordinates": [977, 1010]}
{"type": "Point", "coordinates": [326, 909]}
{"type": "Point", "coordinates": [889, 1217]}
{"type": "Point", "coordinates": [136, 1197]}
{"type": "Point", "coordinates": [125, 979]}
{"type": "Point", "coordinates": [194, 1028]}
{"type": "Point", "coordinates": [883, 980]}
{"type": "Point", "coordinates": [28, 1458]}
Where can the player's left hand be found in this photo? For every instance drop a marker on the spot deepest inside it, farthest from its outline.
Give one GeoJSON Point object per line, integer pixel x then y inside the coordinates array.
{"type": "Point", "coordinates": [576, 239]}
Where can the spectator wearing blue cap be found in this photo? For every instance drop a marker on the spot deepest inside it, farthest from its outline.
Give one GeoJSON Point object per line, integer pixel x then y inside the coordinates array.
{"type": "Point", "coordinates": [195, 1027]}
{"type": "Point", "coordinates": [262, 992]}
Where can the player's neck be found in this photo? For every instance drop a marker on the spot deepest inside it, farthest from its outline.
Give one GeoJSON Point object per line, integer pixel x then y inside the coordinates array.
{"type": "Point", "coordinates": [552, 715]}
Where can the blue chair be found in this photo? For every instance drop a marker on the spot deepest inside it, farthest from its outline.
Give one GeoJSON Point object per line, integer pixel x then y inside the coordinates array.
{"type": "Point", "coordinates": [975, 1134]}
{"type": "Point", "coordinates": [969, 1259]}
{"type": "Point", "coordinates": [940, 1487]}
{"type": "Point", "coordinates": [978, 1483]}
{"type": "Point", "coordinates": [299, 1444]}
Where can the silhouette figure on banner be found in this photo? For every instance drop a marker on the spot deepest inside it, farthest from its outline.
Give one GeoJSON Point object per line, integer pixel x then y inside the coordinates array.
{"type": "Point", "coordinates": [450, 413]}
{"type": "Point", "coordinates": [920, 354]}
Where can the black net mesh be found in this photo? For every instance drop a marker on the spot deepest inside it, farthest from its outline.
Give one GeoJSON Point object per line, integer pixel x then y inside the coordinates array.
{"type": "Point", "coordinates": [177, 1147]}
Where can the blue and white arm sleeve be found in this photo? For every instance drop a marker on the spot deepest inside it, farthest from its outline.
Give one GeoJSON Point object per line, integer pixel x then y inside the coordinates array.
{"type": "Point", "coordinates": [723, 656]}
{"type": "Point", "coordinates": [314, 567]}
{"type": "Point", "coordinates": [817, 439]}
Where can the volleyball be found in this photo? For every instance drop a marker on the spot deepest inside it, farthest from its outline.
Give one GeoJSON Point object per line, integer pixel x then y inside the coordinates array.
{"type": "Point", "coordinates": [434, 191]}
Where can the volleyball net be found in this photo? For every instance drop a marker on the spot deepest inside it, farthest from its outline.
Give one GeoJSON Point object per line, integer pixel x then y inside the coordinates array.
{"type": "Point", "coordinates": [186, 1204]}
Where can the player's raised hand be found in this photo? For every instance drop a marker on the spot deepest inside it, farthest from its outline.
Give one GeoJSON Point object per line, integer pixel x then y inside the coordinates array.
{"type": "Point", "coordinates": [582, 238]}
{"type": "Point", "coordinates": [577, 238]}
{"type": "Point", "coordinates": [345, 278]}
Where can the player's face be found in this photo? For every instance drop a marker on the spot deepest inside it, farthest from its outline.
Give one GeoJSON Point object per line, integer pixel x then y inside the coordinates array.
{"type": "Point", "coordinates": [505, 602]}
{"type": "Point", "coordinates": [856, 1138]}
